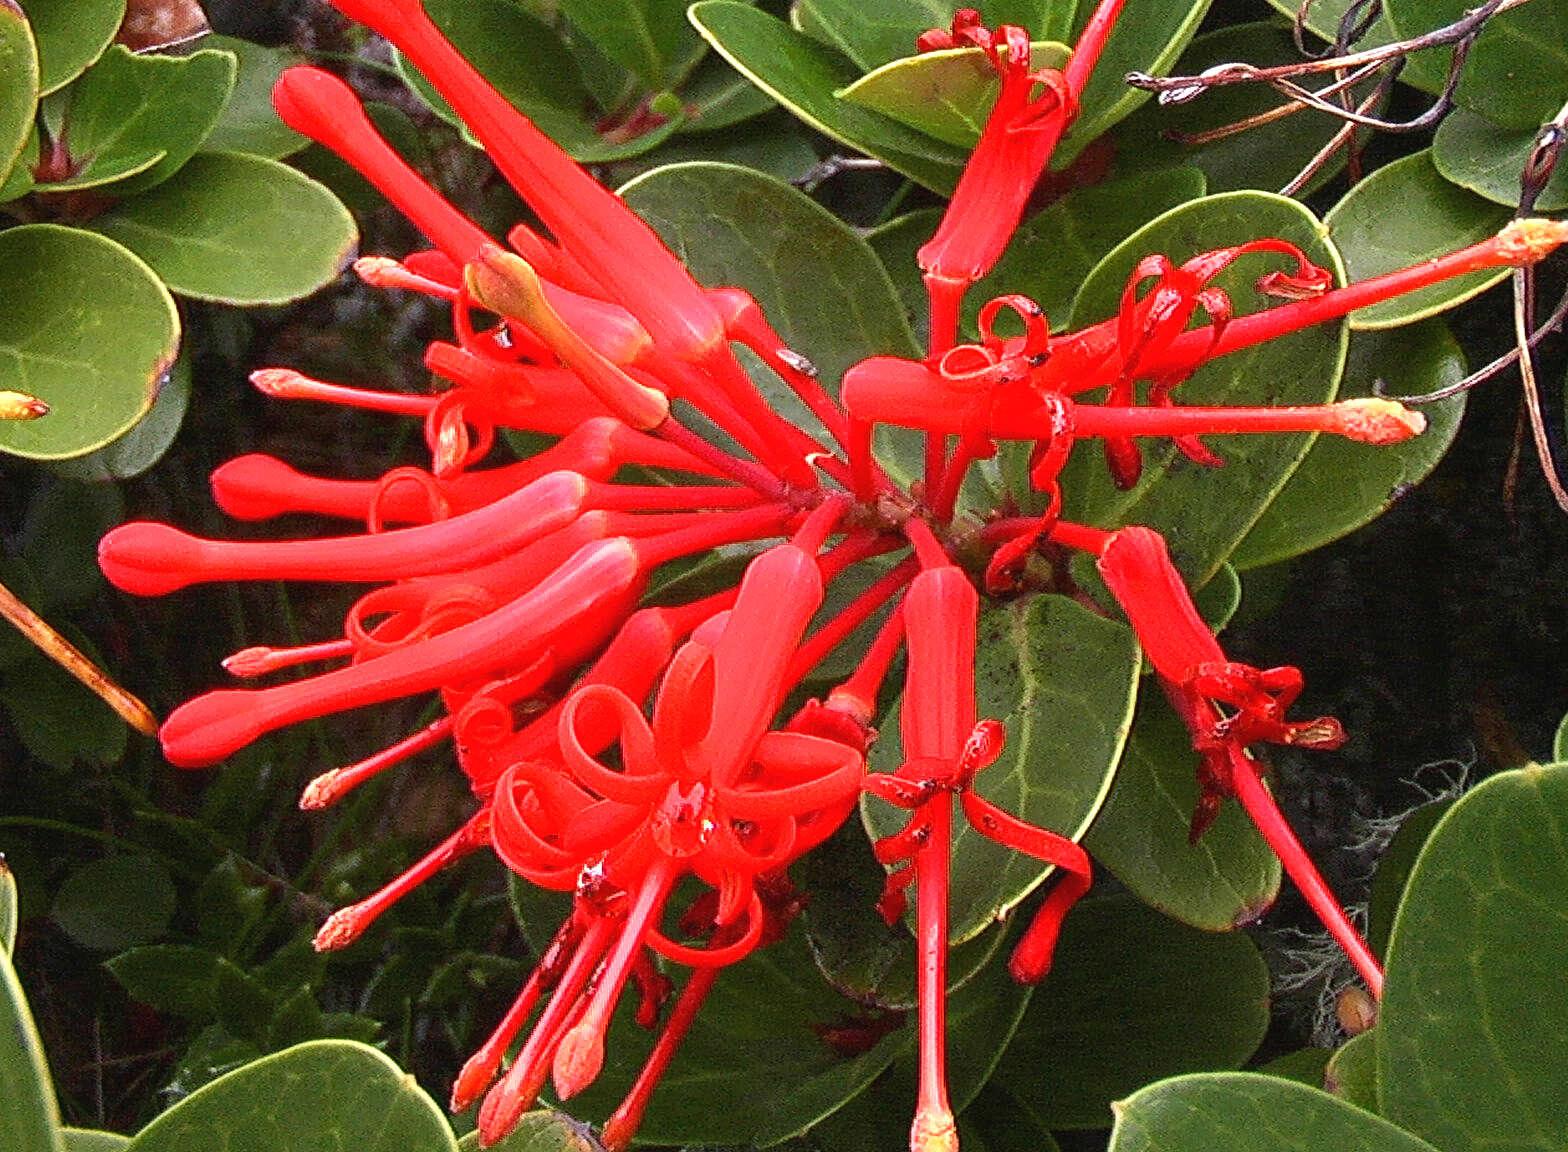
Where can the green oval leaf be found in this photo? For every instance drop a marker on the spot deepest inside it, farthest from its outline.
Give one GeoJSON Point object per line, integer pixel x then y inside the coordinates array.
{"type": "Point", "coordinates": [946, 94]}
{"type": "Point", "coordinates": [71, 34]}
{"type": "Point", "coordinates": [249, 122]}
{"type": "Point", "coordinates": [115, 902]}
{"type": "Point", "coordinates": [1393, 868]}
{"type": "Point", "coordinates": [1405, 213]}
{"type": "Point", "coordinates": [1132, 996]}
{"type": "Point", "coordinates": [18, 86]}
{"type": "Point", "coordinates": [1205, 513]}
{"type": "Point", "coordinates": [821, 286]}
{"type": "Point", "coordinates": [324, 1094]}
{"type": "Point", "coordinates": [649, 38]}
{"type": "Point", "coordinates": [126, 108]}
{"type": "Point", "coordinates": [1351, 1074]}
{"type": "Point", "coordinates": [1470, 1052]}
{"type": "Point", "coordinates": [91, 1140]}
{"type": "Point", "coordinates": [1516, 73]}
{"type": "Point", "coordinates": [803, 75]}
{"type": "Point", "coordinates": [237, 229]}
{"type": "Point", "coordinates": [1342, 485]}
{"type": "Point", "coordinates": [1560, 741]}
{"type": "Point", "coordinates": [1475, 153]}
{"type": "Point", "coordinates": [1245, 1112]}
{"type": "Point", "coordinates": [525, 61]}
{"type": "Point", "coordinates": [541, 1131]}
{"type": "Point", "coordinates": [1227, 879]}
{"type": "Point", "coordinates": [144, 445]}
{"type": "Point", "coordinates": [1063, 681]}
{"type": "Point", "coordinates": [30, 1119]}
{"type": "Point", "coordinates": [88, 328]}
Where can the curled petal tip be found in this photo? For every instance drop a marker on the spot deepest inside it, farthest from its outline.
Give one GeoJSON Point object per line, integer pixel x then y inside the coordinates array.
{"type": "Point", "coordinates": [577, 1061]}
{"type": "Point", "coordinates": [1372, 420]}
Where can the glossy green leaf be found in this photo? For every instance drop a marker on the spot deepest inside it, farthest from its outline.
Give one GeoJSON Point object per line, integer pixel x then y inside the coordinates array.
{"type": "Point", "coordinates": [1052, 254]}
{"type": "Point", "coordinates": [115, 902]}
{"type": "Point", "coordinates": [1393, 869]}
{"type": "Point", "coordinates": [59, 540]}
{"type": "Point", "coordinates": [30, 1118]}
{"type": "Point", "coordinates": [1304, 1066]}
{"type": "Point", "coordinates": [755, 1048]}
{"type": "Point", "coordinates": [521, 57]}
{"type": "Point", "coordinates": [237, 229]}
{"type": "Point", "coordinates": [649, 38]}
{"type": "Point", "coordinates": [1516, 73]}
{"type": "Point", "coordinates": [1268, 155]}
{"type": "Point", "coordinates": [61, 723]}
{"type": "Point", "coordinates": [91, 1140]}
{"type": "Point", "coordinates": [858, 952]}
{"type": "Point", "coordinates": [1470, 1052]}
{"type": "Point", "coordinates": [717, 97]}
{"type": "Point", "coordinates": [1002, 1121]}
{"type": "Point", "coordinates": [1132, 996]}
{"type": "Point", "coordinates": [18, 182]}
{"type": "Point", "coordinates": [819, 284]}
{"type": "Point", "coordinates": [1227, 879]}
{"type": "Point", "coordinates": [172, 978]}
{"type": "Point", "coordinates": [1405, 213]}
{"type": "Point", "coordinates": [1245, 1112]}
{"type": "Point", "coordinates": [982, 1018]}
{"type": "Point", "coordinates": [1473, 152]}
{"type": "Point", "coordinates": [1205, 513]}
{"type": "Point", "coordinates": [1352, 1071]}
{"type": "Point", "coordinates": [541, 1131]}
{"type": "Point", "coordinates": [71, 34]}
{"type": "Point", "coordinates": [127, 108]}
{"type": "Point", "coordinates": [325, 1094]}
{"type": "Point", "coordinates": [88, 328]}
{"type": "Point", "coordinates": [8, 908]}
{"type": "Point", "coordinates": [249, 122]}
{"type": "Point", "coordinates": [946, 94]}
{"type": "Point", "coordinates": [1063, 681]}
{"type": "Point", "coordinates": [144, 445]}
{"type": "Point", "coordinates": [1560, 741]}
{"type": "Point", "coordinates": [1342, 485]}
{"type": "Point", "coordinates": [18, 86]}
{"type": "Point", "coordinates": [1149, 36]}
{"type": "Point", "coordinates": [803, 75]}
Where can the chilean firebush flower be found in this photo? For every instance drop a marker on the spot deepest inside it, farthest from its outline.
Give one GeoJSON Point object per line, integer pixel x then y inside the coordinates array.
{"type": "Point", "coordinates": [616, 748]}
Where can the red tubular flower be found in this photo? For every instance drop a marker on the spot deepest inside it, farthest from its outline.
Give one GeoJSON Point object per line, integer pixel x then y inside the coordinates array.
{"type": "Point", "coordinates": [1032, 111]}
{"type": "Point", "coordinates": [513, 592]}
{"type": "Point", "coordinates": [1226, 706]}
{"type": "Point", "coordinates": [705, 790]}
{"type": "Point", "coordinates": [944, 747]}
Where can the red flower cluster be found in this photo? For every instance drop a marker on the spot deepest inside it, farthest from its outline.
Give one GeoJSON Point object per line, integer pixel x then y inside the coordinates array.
{"type": "Point", "coordinates": [514, 591]}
